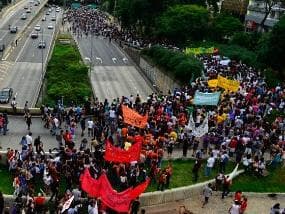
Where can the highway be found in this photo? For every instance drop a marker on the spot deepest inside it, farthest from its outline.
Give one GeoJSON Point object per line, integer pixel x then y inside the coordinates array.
{"type": "Point", "coordinates": [113, 74]}
{"type": "Point", "coordinates": [25, 62]}
{"type": "Point", "coordinates": [13, 19]}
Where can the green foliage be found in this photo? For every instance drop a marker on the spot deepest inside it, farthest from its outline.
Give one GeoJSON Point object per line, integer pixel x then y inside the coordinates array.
{"type": "Point", "coordinates": [63, 72]}
{"type": "Point", "coordinates": [224, 26]}
{"type": "Point", "coordinates": [182, 22]}
{"type": "Point", "coordinates": [274, 48]}
{"type": "Point", "coordinates": [182, 67]}
{"type": "Point", "coordinates": [246, 40]}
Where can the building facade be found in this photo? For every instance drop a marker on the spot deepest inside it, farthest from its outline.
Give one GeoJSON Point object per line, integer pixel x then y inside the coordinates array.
{"type": "Point", "coordinates": [256, 12]}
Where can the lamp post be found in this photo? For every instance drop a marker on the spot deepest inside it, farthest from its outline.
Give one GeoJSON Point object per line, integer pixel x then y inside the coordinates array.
{"type": "Point", "coordinates": [42, 50]}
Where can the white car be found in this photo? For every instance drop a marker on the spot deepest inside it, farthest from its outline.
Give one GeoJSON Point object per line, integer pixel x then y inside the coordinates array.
{"type": "Point", "coordinates": [37, 27]}
{"type": "Point", "coordinates": [50, 26]}
{"type": "Point", "coordinates": [44, 18]}
{"type": "Point", "coordinates": [57, 10]}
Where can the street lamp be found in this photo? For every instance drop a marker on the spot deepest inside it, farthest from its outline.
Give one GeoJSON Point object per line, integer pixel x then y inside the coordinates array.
{"type": "Point", "coordinates": [42, 64]}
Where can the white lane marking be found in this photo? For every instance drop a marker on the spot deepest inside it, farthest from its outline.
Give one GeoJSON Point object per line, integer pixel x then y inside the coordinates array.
{"type": "Point", "coordinates": [114, 60]}
{"type": "Point", "coordinates": [99, 59]}
{"type": "Point", "coordinates": [125, 60]}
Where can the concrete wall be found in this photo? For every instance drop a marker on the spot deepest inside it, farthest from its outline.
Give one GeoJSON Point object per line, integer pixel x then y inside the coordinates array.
{"type": "Point", "coordinates": [159, 79]}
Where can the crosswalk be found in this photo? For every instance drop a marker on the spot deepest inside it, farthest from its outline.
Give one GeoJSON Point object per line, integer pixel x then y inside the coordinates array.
{"type": "Point", "coordinates": [5, 67]}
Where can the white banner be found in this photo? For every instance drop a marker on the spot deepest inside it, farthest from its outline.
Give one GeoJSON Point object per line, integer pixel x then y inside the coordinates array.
{"type": "Point", "coordinates": [199, 131]}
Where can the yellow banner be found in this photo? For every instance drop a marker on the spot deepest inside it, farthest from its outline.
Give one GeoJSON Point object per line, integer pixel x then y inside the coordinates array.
{"type": "Point", "coordinates": [213, 83]}
{"type": "Point", "coordinates": [227, 84]}
{"type": "Point", "coordinates": [200, 50]}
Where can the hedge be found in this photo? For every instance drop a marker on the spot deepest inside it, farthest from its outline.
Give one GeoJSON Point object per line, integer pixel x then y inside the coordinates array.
{"type": "Point", "coordinates": [67, 76]}
{"type": "Point", "coordinates": [175, 63]}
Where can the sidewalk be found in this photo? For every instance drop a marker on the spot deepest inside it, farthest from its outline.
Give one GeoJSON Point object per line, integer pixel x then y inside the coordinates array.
{"type": "Point", "coordinates": [256, 205]}
{"type": "Point", "coordinates": [18, 128]}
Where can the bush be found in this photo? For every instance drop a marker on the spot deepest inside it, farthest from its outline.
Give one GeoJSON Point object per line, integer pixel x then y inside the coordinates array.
{"type": "Point", "coordinates": [181, 66]}
{"type": "Point", "coordinates": [67, 76]}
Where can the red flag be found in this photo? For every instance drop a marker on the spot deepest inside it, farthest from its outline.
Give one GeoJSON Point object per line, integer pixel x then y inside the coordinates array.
{"type": "Point", "coordinates": [133, 118]}
{"type": "Point", "coordinates": [118, 201]}
{"type": "Point", "coordinates": [115, 154]}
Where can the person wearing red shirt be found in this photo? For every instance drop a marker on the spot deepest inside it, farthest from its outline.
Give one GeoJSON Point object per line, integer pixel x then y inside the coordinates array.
{"type": "Point", "coordinates": [243, 205]}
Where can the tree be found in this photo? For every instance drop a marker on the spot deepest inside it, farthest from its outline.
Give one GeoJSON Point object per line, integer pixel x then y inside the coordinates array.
{"type": "Point", "coordinates": [274, 51]}
{"type": "Point", "coordinates": [182, 22]}
{"type": "Point", "coordinates": [268, 5]}
{"type": "Point", "coordinates": [225, 26]}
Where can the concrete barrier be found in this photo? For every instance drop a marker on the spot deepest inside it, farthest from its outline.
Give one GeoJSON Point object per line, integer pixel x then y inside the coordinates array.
{"type": "Point", "coordinates": [20, 111]}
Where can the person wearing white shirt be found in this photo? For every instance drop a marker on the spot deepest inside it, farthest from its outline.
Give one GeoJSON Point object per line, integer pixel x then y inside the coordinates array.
{"type": "Point", "coordinates": [90, 125]}
{"type": "Point", "coordinates": [210, 165]}
{"type": "Point", "coordinates": [29, 138]}
{"type": "Point", "coordinates": [235, 208]}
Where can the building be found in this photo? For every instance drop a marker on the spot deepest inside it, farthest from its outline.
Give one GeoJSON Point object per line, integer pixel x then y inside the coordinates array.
{"type": "Point", "coordinates": [235, 7]}
{"type": "Point", "coordinates": [256, 12]}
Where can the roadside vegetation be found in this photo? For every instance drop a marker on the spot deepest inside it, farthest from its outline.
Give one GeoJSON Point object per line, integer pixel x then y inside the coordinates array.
{"type": "Point", "coordinates": [67, 75]}
{"type": "Point", "coordinates": [174, 63]}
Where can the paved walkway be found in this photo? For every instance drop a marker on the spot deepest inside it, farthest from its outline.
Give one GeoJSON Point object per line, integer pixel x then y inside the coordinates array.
{"type": "Point", "coordinates": [18, 128]}
{"type": "Point", "coordinates": [256, 205]}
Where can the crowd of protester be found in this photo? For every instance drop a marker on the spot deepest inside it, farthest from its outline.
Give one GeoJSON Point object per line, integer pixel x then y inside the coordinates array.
{"type": "Point", "coordinates": [85, 21]}
{"type": "Point", "coordinates": [238, 131]}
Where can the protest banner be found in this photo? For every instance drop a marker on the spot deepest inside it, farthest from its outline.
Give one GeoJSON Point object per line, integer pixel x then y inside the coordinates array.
{"type": "Point", "coordinates": [210, 99]}
{"type": "Point", "coordinates": [118, 201]}
{"type": "Point", "coordinates": [133, 118]}
{"type": "Point", "coordinates": [119, 155]}
{"type": "Point", "coordinates": [225, 83]}
{"type": "Point", "coordinates": [228, 84]}
{"type": "Point", "coordinates": [200, 50]}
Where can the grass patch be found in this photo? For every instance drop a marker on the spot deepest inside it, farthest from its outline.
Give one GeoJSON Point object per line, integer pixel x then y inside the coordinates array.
{"type": "Point", "coordinates": [182, 176]}
{"type": "Point", "coordinates": [274, 182]}
{"type": "Point", "coordinates": [66, 75]}
{"type": "Point", "coordinates": [182, 173]}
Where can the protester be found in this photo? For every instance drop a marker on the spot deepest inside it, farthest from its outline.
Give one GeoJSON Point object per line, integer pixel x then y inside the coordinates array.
{"type": "Point", "coordinates": [207, 192]}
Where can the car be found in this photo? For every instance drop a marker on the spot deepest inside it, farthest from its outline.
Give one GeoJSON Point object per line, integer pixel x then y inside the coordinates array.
{"type": "Point", "coordinates": [24, 16]}
{"type": "Point", "coordinates": [37, 27]}
{"type": "Point", "coordinates": [49, 10]}
{"type": "Point", "coordinates": [5, 95]}
{"type": "Point", "coordinates": [53, 18]}
{"type": "Point", "coordinates": [28, 11]}
{"type": "Point", "coordinates": [57, 10]}
{"type": "Point", "coordinates": [13, 29]}
{"type": "Point", "coordinates": [42, 44]}
{"type": "Point", "coordinates": [47, 13]}
{"type": "Point", "coordinates": [36, 3]}
{"type": "Point", "coordinates": [34, 35]}
{"type": "Point", "coordinates": [44, 18]}
{"type": "Point", "coordinates": [50, 26]}
{"type": "Point", "coordinates": [26, 7]}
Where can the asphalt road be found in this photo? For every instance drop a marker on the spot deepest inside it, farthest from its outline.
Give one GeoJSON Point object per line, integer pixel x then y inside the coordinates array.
{"type": "Point", "coordinates": [113, 74]}
{"type": "Point", "coordinates": [13, 19]}
{"type": "Point", "coordinates": [25, 62]}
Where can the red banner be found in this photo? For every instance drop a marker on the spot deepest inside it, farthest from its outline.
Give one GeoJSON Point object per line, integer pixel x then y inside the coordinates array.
{"type": "Point", "coordinates": [89, 184]}
{"type": "Point", "coordinates": [116, 154]}
{"type": "Point", "coordinates": [118, 201]}
{"type": "Point", "coordinates": [133, 118]}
